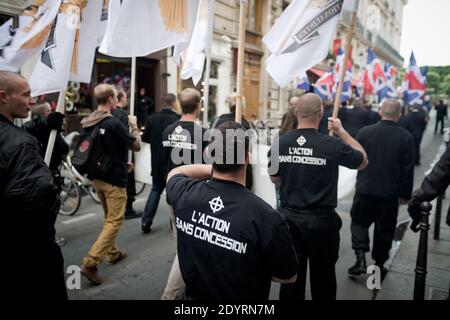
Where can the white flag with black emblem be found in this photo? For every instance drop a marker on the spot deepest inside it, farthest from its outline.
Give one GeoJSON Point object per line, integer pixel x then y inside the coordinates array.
{"type": "Point", "coordinates": [301, 37]}
{"type": "Point", "coordinates": [28, 39]}
{"type": "Point", "coordinates": [57, 58]}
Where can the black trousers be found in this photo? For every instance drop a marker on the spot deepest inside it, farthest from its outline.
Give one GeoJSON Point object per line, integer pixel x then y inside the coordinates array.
{"type": "Point", "coordinates": [316, 239]}
{"type": "Point", "coordinates": [383, 212]}
{"type": "Point", "coordinates": [440, 121]}
{"type": "Point", "coordinates": [417, 142]}
{"type": "Point", "coordinates": [131, 191]}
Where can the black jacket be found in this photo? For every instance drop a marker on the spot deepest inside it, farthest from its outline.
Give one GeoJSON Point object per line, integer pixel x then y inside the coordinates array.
{"type": "Point", "coordinates": [37, 128]}
{"type": "Point", "coordinates": [416, 122]}
{"type": "Point", "coordinates": [441, 111]}
{"type": "Point", "coordinates": [122, 115]}
{"type": "Point", "coordinates": [354, 119]}
{"type": "Point", "coordinates": [390, 150]}
{"type": "Point", "coordinates": [154, 128]}
{"type": "Point", "coordinates": [434, 184]}
{"type": "Point", "coordinates": [28, 195]}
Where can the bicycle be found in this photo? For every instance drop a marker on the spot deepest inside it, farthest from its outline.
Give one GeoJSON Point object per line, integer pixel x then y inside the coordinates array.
{"type": "Point", "coordinates": [73, 185]}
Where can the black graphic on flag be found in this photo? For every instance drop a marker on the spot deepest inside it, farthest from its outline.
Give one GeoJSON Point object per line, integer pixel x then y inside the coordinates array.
{"type": "Point", "coordinates": [46, 56]}
{"type": "Point", "coordinates": [12, 33]}
{"type": "Point", "coordinates": [309, 32]}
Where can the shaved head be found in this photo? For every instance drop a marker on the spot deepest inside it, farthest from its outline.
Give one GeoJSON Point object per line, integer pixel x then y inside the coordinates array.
{"type": "Point", "coordinates": [307, 106]}
{"type": "Point", "coordinates": [190, 100]}
{"type": "Point", "coordinates": [391, 109]}
{"type": "Point", "coordinates": [9, 80]}
{"type": "Point", "coordinates": [15, 96]}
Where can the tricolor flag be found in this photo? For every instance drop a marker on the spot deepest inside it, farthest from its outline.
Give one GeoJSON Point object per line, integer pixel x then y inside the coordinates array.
{"type": "Point", "coordinates": [414, 83]}
{"type": "Point", "coordinates": [301, 37]}
{"type": "Point", "coordinates": [193, 53]}
{"type": "Point", "coordinates": [35, 24]}
{"type": "Point", "coordinates": [347, 87]}
{"type": "Point", "coordinates": [69, 51]}
{"type": "Point", "coordinates": [140, 27]}
{"type": "Point", "coordinates": [324, 86]}
{"type": "Point", "coordinates": [303, 82]}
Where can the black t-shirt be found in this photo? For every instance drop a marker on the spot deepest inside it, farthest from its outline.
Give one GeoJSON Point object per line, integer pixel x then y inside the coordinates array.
{"type": "Point", "coordinates": [308, 165]}
{"type": "Point", "coordinates": [183, 144]}
{"type": "Point", "coordinates": [154, 129]}
{"type": "Point", "coordinates": [230, 242]}
{"type": "Point", "coordinates": [116, 141]}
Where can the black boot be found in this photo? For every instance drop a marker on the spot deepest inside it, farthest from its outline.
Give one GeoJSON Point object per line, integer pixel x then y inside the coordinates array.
{"type": "Point", "coordinates": [360, 266]}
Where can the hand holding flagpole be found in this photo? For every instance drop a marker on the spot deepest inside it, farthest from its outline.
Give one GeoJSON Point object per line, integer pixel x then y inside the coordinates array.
{"type": "Point", "coordinates": [337, 101]}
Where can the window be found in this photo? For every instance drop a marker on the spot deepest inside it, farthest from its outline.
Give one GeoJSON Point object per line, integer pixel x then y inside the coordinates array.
{"type": "Point", "coordinates": [254, 15]}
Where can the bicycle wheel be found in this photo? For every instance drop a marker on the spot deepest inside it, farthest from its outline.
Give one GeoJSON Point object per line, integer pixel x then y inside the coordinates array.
{"type": "Point", "coordinates": [70, 197]}
{"type": "Point", "coordinates": [93, 193]}
{"type": "Point", "coordinates": [140, 186]}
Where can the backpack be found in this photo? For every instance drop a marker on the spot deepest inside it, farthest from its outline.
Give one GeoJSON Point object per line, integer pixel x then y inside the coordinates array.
{"type": "Point", "coordinates": [89, 156]}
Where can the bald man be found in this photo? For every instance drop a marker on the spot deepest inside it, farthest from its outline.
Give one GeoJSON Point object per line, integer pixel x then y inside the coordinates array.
{"type": "Point", "coordinates": [29, 201]}
{"type": "Point", "coordinates": [306, 164]}
{"type": "Point", "coordinates": [387, 181]}
{"type": "Point", "coordinates": [183, 144]}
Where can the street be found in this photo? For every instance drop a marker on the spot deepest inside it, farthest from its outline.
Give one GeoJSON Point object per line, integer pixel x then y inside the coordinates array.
{"type": "Point", "coordinates": [144, 273]}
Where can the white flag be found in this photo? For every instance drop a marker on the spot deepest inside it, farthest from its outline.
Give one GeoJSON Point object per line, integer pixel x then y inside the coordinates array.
{"type": "Point", "coordinates": [301, 37]}
{"type": "Point", "coordinates": [52, 71]}
{"type": "Point", "coordinates": [140, 27]}
{"type": "Point", "coordinates": [103, 22]}
{"type": "Point", "coordinates": [87, 36]}
{"type": "Point", "coordinates": [35, 23]}
{"type": "Point", "coordinates": [6, 33]}
{"type": "Point", "coordinates": [194, 55]}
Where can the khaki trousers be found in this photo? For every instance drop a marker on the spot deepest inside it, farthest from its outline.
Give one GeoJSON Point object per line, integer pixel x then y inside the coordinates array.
{"type": "Point", "coordinates": [114, 200]}
{"type": "Point", "coordinates": [175, 284]}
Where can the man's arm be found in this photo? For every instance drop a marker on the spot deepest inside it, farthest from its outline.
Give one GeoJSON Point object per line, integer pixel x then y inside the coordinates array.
{"type": "Point", "coordinates": [136, 133]}
{"type": "Point", "coordinates": [195, 171]}
{"type": "Point", "coordinates": [336, 126]}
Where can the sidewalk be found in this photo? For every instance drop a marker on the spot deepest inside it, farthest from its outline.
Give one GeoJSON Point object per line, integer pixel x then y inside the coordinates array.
{"type": "Point", "coordinates": [399, 282]}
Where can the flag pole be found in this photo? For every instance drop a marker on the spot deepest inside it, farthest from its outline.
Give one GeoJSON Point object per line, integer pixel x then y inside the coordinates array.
{"type": "Point", "coordinates": [337, 101]}
{"type": "Point", "coordinates": [132, 97]}
{"type": "Point", "coordinates": [53, 133]}
{"type": "Point", "coordinates": [240, 67]}
{"type": "Point", "coordinates": [206, 88]}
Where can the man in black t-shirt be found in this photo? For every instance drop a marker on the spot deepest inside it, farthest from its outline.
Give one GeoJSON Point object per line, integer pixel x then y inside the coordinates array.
{"type": "Point", "coordinates": [387, 179]}
{"type": "Point", "coordinates": [230, 242]}
{"type": "Point", "coordinates": [306, 164]}
{"type": "Point", "coordinates": [183, 144]}
{"type": "Point", "coordinates": [417, 120]}
{"type": "Point", "coordinates": [110, 185]}
{"type": "Point", "coordinates": [153, 134]}
{"type": "Point", "coordinates": [441, 113]}
{"type": "Point", "coordinates": [121, 114]}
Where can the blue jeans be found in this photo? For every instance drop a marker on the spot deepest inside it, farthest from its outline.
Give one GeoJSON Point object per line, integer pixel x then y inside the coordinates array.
{"type": "Point", "coordinates": [153, 201]}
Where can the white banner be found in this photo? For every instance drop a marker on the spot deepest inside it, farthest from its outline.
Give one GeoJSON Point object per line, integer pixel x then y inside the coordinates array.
{"type": "Point", "coordinates": [194, 55]}
{"type": "Point", "coordinates": [81, 70]}
{"type": "Point", "coordinates": [140, 27]}
{"type": "Point", "coordinates": [51, 73]}
{"type": "Point", "coordinates": [35, 23]}
{"type": "Point", "coordinates": [301, 38]}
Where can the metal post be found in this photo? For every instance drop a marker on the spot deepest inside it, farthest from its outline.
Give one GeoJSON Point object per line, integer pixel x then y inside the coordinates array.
{"type": "Point", "coordinates": [437, 218]}
{"type": "Point", "coordinates": [421, 265]}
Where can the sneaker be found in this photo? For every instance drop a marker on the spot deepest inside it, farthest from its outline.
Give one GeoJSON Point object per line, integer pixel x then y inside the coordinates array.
{"type": "Point", "coordinates": [122, 255]}
{"type": "Point", "coordinates": [91, 274]}
{"type": "Point", "coordinates": [146, 228]}
{"type": "Point", "coordinates": [133, 214]}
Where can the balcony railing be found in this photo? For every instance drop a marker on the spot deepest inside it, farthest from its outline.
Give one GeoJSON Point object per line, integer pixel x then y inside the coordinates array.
{"type": "Point", "coordinates": [380, 42]}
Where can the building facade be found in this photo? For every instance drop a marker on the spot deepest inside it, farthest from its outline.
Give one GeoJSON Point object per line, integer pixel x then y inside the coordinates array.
{"type": "Point", "coordinates": [379, 26]}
